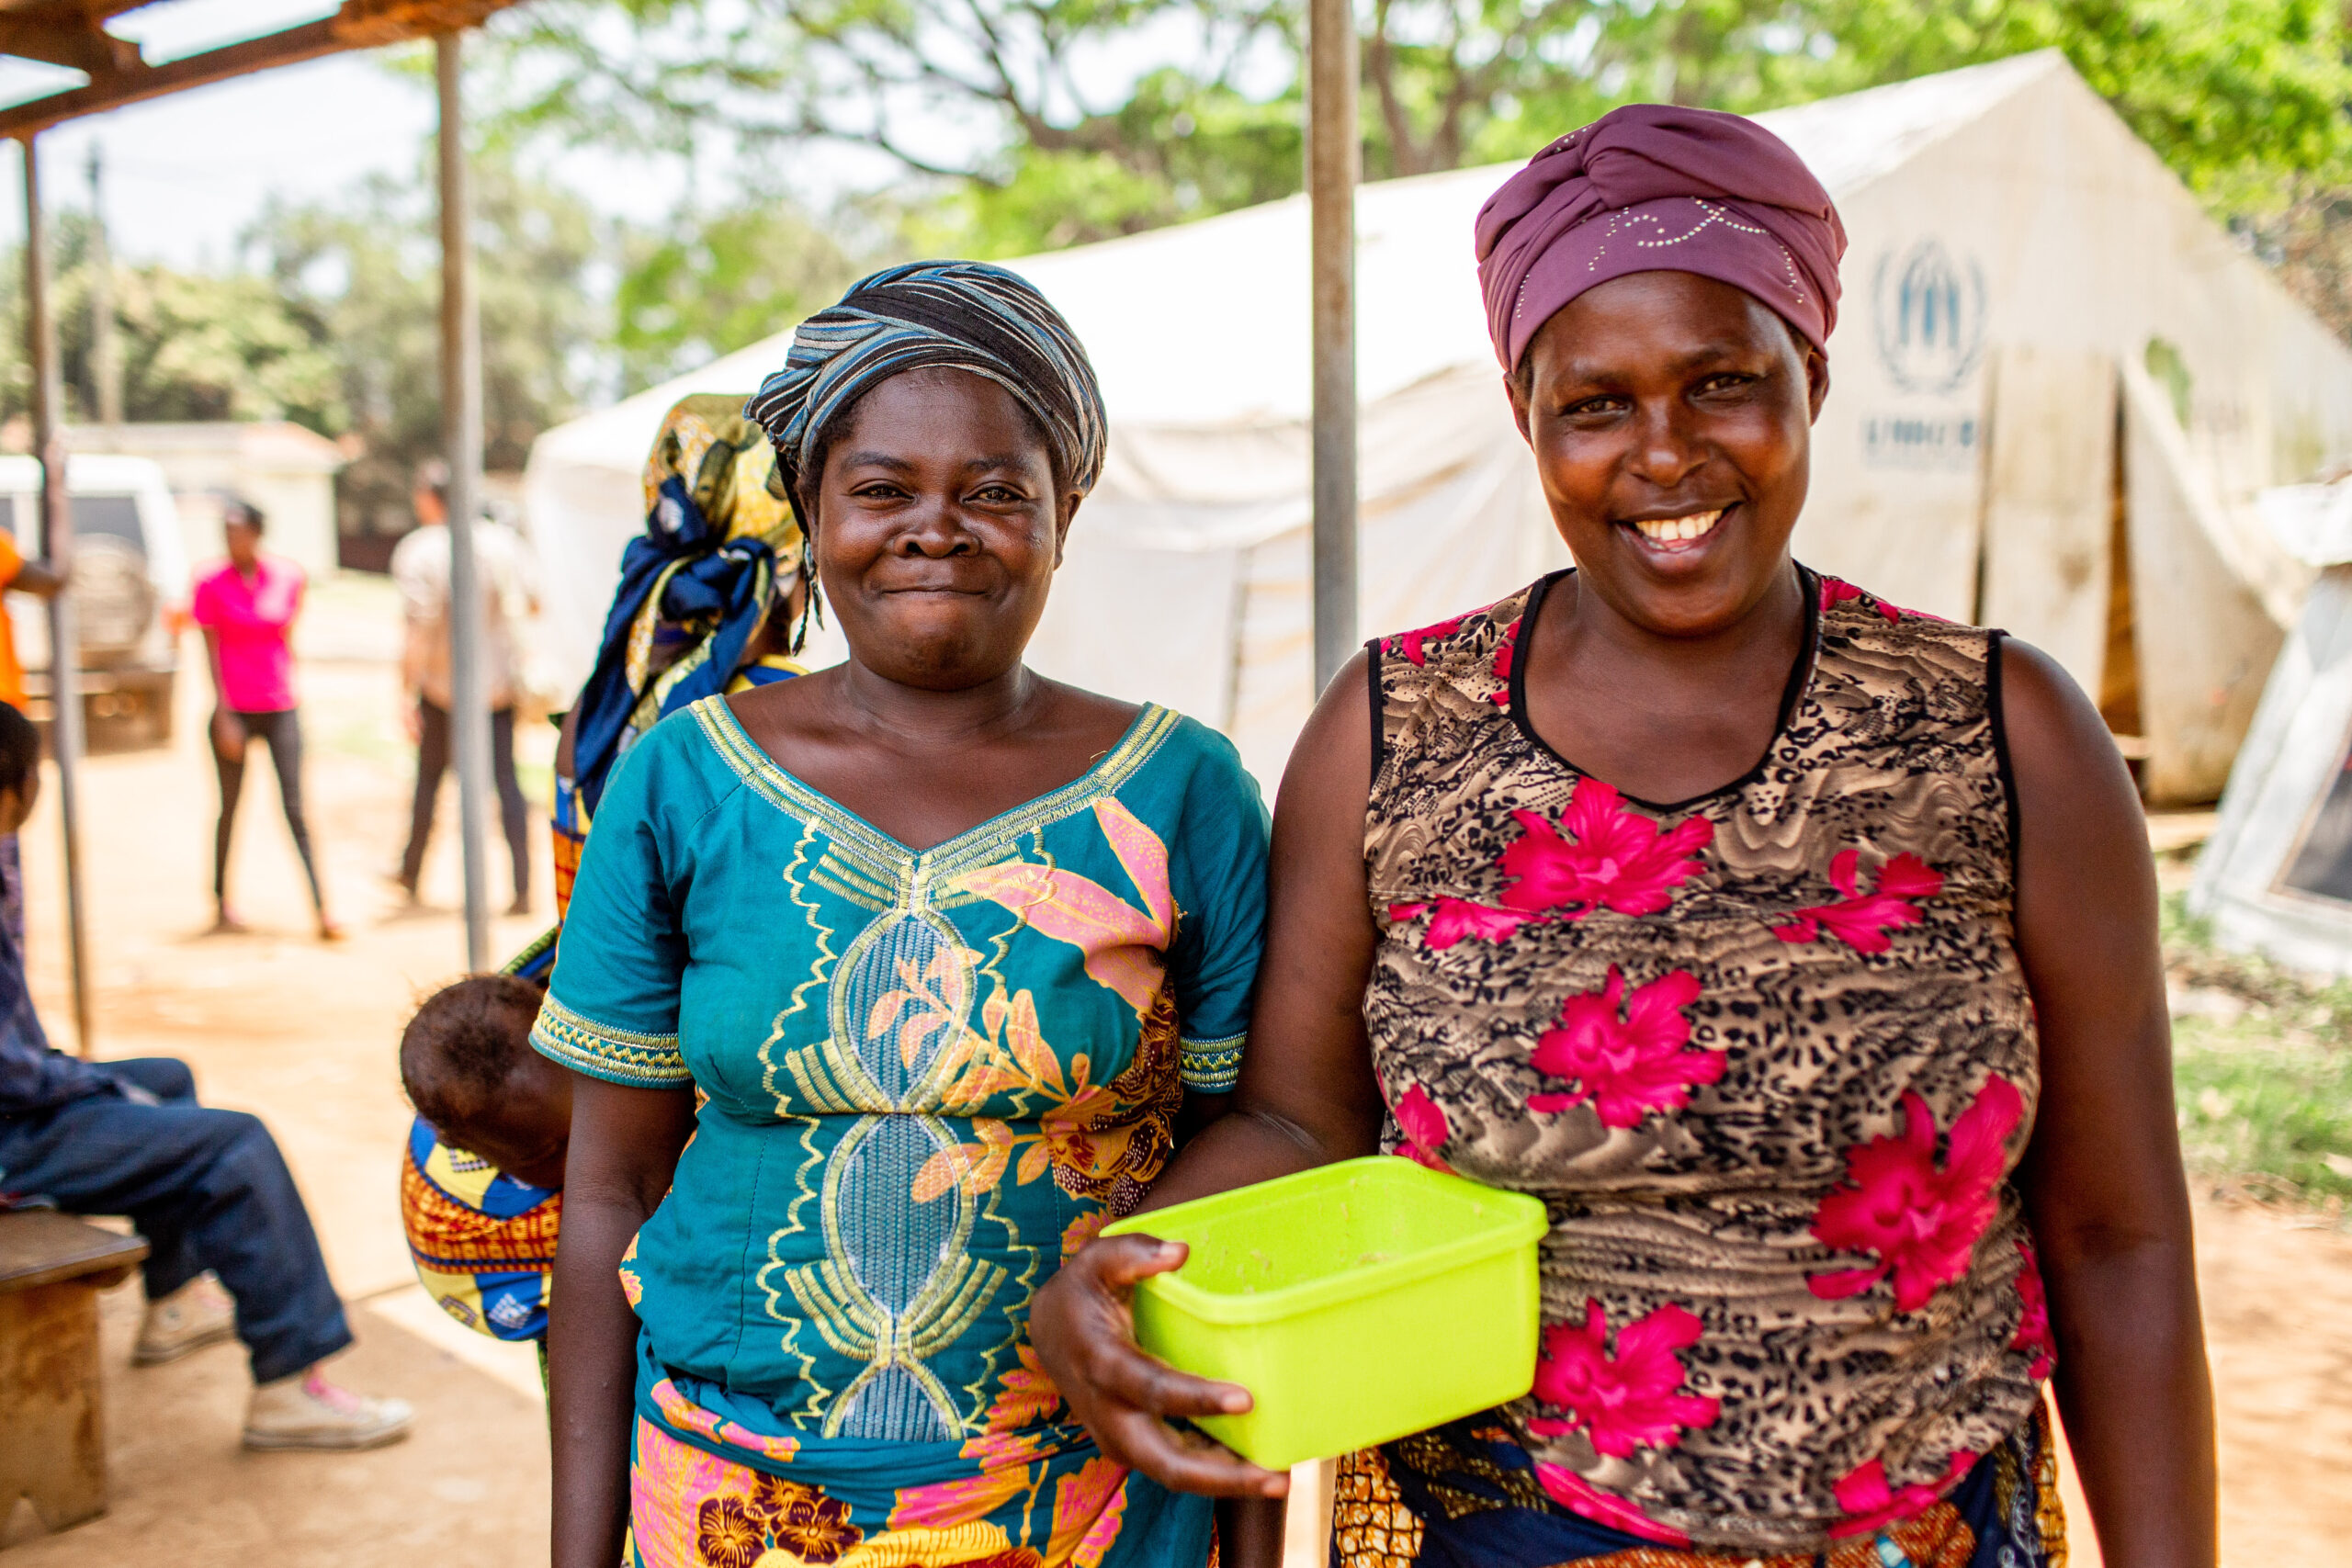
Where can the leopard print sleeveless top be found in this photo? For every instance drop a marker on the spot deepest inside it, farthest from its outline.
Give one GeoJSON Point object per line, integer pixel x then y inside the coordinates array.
{"type": "Point", "coordinates": [1766, 1056]}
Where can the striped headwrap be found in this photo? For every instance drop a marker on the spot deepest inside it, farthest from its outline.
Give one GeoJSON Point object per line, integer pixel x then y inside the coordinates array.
{"type": "Point", "coordinates": [962, 315]}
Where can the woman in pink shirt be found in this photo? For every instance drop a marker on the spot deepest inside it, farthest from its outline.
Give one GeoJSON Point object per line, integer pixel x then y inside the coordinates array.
{"type": "Point", "coordinates": [246, 606]}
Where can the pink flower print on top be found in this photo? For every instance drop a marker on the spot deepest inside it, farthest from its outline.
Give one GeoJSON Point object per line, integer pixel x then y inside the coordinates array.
{"type": "Point", "coordinates": [1920, 1219]}
{"type": "Point", "coordinates": [1500, 696]}
{"type": "Point", "coordinates": [1457, 918]}
{"type": "Point", "coordinates": [1861, 919]}
{"type": "Point", "coordinates": [2033, 1328]}
{"type": "Point", "coordinates": [1630, 1065]}
{"type": "Point", "coordinates": [1622, 1402]}
{"type": "Point", "coordinates": [1834, 593]}
{"type": "Point", "coordinates": [1580, 1496]}
{"type": "Point", "coordinates": [1871, 1504]}
{"type": "Point", "coordinates": [1422, 1120]}
{"type": "Point", "coordinates": [1412, 647]}
{"type": "Point", "coordinates": [1604, 855]}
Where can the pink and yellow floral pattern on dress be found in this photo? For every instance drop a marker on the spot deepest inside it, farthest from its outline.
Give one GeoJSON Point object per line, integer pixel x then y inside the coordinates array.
{"type": "Point", "coordinates": [1769, 1057]}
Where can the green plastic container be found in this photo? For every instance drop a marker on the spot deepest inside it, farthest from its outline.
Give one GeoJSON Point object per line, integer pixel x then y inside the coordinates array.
{"type": "Point", "coordinates": [1356, 1303]}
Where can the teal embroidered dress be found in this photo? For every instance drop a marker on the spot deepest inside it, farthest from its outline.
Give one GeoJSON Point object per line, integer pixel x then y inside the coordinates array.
{"type": "Point", "coordinates": [927, 1080]}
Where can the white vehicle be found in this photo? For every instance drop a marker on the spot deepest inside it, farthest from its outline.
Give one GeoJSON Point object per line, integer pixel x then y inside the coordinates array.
{"type": "Point", "coordinates": [129, 571]}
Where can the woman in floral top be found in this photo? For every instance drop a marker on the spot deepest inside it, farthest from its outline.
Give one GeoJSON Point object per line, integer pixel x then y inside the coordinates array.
{"type": "Point", "coordinates": [1797, 950]}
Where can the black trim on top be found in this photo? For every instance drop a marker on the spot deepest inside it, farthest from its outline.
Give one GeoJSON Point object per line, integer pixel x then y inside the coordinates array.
{"type": "Point", "coordinates": [1791, 692]}
{"type": "Point", "coordinates": [1379, 709]}
{"type": "Point", "coordinates": [1998, 714]}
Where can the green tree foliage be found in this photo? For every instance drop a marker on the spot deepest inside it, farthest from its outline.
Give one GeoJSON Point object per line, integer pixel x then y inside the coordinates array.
{"type": "Point", "coordinates": [1053, 121]}
{"type": "Point", "coordinates": [331, 320]}
{"type": "Point", "coordinates": [2245, 99]}
{"type": "Point", "coordinates": [194, 347]}
{"type": "Point", "coordinates": [366, 267]}
{"type": "Point", "coordinates": [705, 285]}
{"type": "Point", "coordinates": [1034, 122]}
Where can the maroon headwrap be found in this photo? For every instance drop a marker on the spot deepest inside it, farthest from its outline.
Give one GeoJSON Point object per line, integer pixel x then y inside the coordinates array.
{"type": "Point", "coordinates": [1651, 187]}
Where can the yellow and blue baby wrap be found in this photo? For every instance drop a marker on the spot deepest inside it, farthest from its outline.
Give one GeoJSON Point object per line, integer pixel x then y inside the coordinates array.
{"type": "Point", "coordinates": [483, 1242]}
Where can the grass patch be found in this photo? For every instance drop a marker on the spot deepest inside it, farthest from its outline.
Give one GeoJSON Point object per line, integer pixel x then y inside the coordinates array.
{"type": "Point", "coordinates": [2262, 1068]}
{"type": "Point", "coordinates": [2273, 1111]}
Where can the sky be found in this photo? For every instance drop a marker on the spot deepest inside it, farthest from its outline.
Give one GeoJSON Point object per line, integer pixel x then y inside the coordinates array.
{"type": "Point", "coordinates": [185, 174]}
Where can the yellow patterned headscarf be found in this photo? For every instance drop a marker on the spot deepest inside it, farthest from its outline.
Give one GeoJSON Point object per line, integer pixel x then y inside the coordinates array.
{"type": "Point", "coordinates": [727, 466]}
{"type": "Point", "coordinates": [721, 544]}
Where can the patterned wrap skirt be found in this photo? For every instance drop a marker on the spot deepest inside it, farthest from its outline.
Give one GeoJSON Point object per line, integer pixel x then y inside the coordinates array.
{"type": "Point", "coordinates": [708, 1490]}
{"type": "Point", "coordinates": [1464, 1496]}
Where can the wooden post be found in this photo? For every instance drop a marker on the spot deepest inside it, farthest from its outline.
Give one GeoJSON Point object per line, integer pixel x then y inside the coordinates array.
{"type": "Point", "coordinates": [105, 346]}
{"type": "Point", "coordinates": [57, 545]}
{"type": "Point", "coordinates": [461, 418]}
{"type": "Point", "coordinates": [1334, 161]}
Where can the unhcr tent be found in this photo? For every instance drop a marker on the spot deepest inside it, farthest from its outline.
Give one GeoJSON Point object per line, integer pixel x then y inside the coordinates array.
{"type": "Point", "coordinates": [2276, 878]}
{"type": "Point", "coordinates": [1996, 445]}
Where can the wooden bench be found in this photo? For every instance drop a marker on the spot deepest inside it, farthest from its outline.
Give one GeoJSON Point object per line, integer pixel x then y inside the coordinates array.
{"type": "Point", "coordinates": [51, 1268]}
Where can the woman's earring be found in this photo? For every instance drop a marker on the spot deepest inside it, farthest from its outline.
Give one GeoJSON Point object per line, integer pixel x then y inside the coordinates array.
{"type": "Point", "coordinates": [809, 598]}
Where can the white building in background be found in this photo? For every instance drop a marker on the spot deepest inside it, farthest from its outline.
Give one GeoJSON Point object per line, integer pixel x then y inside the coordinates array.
{"type": "Point", "coordinates": [2057, 386]}
{"type": "Point", "coordinates": [286, 470]}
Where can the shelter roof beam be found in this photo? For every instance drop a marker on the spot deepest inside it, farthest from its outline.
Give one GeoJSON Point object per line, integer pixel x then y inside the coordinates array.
{"type": "Point", "coordinates": [86, 47]}
{"type": "Point", "coordinates": [360, 24]}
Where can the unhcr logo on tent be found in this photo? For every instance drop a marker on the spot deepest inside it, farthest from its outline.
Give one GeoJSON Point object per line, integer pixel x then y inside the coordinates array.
{"type": "Point", "coordinates": [1920, 441]}
{"type": "Point", "coordinates": [1930, 317]}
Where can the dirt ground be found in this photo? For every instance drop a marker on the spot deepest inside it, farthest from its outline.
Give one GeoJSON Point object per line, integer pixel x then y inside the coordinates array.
{"type": "Point", "coordinates": [303, 1035]}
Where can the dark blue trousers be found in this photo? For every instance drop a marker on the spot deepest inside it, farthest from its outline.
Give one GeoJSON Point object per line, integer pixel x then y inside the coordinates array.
{"type": "Point", "coordinates": [207, 1189]}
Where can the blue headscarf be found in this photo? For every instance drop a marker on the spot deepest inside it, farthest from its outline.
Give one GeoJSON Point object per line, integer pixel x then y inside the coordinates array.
{"type": "Point", "coordinates": [719, 536]}
{"type": "Point", "coordinates": [961, 315]}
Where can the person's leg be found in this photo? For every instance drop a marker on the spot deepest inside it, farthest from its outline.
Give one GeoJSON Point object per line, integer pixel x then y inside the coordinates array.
{"type": "Point", "coordinates": [283, 731]}
{"type": "Point", "coordinates": [165, 1077]}
{"type": "Point", "coordinates": [197, 1313]}
{"type": "Point", "coordinates": [11, 889]}
{"type": "Point", "coordinates": [208, 1189]}
{"type": "Point", "coordinates": [432, 760]}
{"type": "Point", "coordinates": [512, 812]}
{"type": "Point", "coordinates": [233, 783]}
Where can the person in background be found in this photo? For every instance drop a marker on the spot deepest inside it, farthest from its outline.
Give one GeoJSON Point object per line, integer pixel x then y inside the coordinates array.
{"type": "Point", "coordinates": [482, 1176]}
{"type": "Point", "coordinates": [246, 606]}
{"type": "Point", "coordinates": [41, 579]}
{"type": "Point", "coordinates": [510, 596]}
{"type": "Point", "coordinates": [206, 1189]}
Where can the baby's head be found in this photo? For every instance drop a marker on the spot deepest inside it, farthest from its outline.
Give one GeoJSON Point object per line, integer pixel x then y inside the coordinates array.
{"type": "Point", "coordinates": [467, 1063]}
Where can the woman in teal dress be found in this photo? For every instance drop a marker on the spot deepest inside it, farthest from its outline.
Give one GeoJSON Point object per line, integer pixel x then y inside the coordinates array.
{"type": "Point", "coordinates": [887, 986]}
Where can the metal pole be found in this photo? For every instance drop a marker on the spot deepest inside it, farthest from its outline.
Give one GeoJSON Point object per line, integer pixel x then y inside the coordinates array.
{"type": "Point", "coordinates": [1333, 163]}
{"type": "Point", "coordinates": [461, 418]}
{"type": "Point", "coordinates": [106, 348]}
{"type": "Point", "coordinates": [57, 545]}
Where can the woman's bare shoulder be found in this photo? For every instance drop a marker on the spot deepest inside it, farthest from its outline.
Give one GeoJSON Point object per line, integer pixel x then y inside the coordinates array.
{"type": "Point", "coordinates": [1097, 721]}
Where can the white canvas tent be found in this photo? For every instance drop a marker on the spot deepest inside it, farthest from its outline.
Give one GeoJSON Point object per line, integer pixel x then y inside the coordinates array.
{"type": "Point", "coordinates": [2018, 259]}
{"type": "Point", "coordinates": [2276, 878]}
